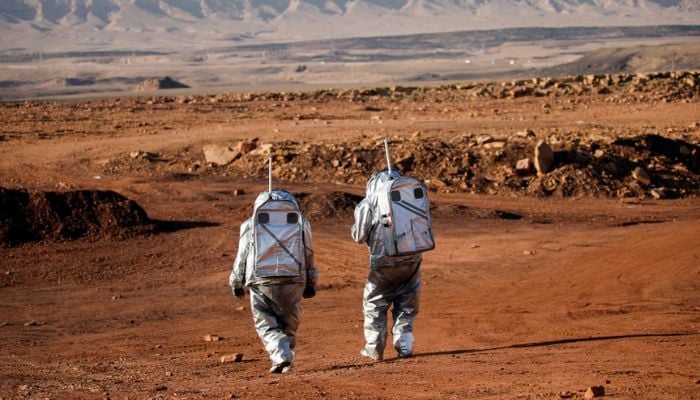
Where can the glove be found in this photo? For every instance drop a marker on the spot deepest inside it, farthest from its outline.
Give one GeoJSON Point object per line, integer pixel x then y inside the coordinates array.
{"type": "Point", "coordinates": [238, 293]}
{"type": "Point", "coordinates": [309, 292]}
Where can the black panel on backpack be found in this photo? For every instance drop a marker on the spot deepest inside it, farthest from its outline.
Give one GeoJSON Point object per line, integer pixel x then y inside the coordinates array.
{"type": "Point", "coordinates": [395, 195]}
{"type": "Point", "coordinates": [292, 218]}
{"type": "Point", "coordinates": [418, 193]}
{"type": "Point", "coordinates": [263, 218]}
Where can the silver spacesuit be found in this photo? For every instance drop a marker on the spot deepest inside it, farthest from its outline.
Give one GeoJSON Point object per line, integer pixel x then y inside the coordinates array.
{"type": "Point", "coordinates": [274, 301]}
{"type": "Point", "coordinates": [391, 280]}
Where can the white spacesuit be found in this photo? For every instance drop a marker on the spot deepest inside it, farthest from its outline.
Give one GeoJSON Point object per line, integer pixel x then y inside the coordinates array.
{"type": "Point", "coordinates": [392, 280]}
{"type": "Point", "coordinates": [275, 292]}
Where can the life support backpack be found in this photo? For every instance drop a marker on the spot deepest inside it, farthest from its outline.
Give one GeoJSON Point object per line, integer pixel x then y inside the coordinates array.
{"type": "Point", "coordinates": [278, 238]}
{"type": "Point", "coordinates": [404, 210]}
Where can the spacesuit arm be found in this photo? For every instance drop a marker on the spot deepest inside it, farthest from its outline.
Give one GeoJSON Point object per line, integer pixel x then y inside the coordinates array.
{"type": "Point", "coordinates": [237, 277]}
{"type": "Point", "coordinates": [311, 271]}
{"type": "Point", "coordinates": [363, 221]}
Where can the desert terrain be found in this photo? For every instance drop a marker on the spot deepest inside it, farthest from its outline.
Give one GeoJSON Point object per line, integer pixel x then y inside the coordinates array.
{"type": "Point", "coordinates": [214, 67]}
{"type": "Point", "coordinates": [541, 285]}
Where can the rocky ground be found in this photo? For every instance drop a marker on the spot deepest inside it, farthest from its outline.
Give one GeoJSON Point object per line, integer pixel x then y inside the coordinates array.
{"type": "Point", "coordinates": [566, 214]}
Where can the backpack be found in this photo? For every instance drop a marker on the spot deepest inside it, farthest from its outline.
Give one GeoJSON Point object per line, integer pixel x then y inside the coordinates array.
{"type": "Point", "coordinates": [278, 239]}
{"type": "Point", "coordinates": [404, 210]}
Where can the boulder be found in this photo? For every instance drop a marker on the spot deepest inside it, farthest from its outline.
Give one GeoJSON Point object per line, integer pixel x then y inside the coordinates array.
{"type": "Point", "coordinates": [523, 166]}
{"type": "Point", "coordinates": [246, 146]}
{"type": "Point", "coordinates": [526, 133]}
{"type": "Point", "coordinates": [220, 155]}
{"type": "Point", "coordinates": [229, 358]}
{"type": "Point", "coordinates": [640, 175]}
{"type": "Point", "coordinates": [494, 145]}
{"type": "Point", "coordinates": [263, 149]}
{"type": "Point", "coordinates": [156, 84]}
{"type": "Point", "coordinates": [212, 338]}
{"type": "Point", "coordinates": [544, 157]}
{"type": "Point", "coordinates": [594, 391]}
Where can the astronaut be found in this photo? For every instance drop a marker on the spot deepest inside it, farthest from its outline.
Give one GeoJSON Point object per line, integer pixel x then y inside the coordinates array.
{"type": "Point", "coordinates": [392, 280]}
{"type": "Point", "coordinates": [275, 261]}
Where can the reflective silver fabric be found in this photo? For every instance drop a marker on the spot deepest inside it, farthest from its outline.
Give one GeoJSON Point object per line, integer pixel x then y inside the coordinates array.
{"type": "Point", "coordinates": [390, 281]}
{"type": "Point", "coordinates": [386, 286]}
{"type": "Point", "coordinates": [274, 301]}
{"type": "Point", "coordinates": [409, 226]}
{"type": "Point", "coordinates": [279, 248]}
{"type": "Point", "coordinates": [276, 311]}
{"type": "Point", "coordinates": [243, 273]}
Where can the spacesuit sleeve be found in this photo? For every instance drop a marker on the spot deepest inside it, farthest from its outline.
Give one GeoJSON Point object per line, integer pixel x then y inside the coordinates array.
{"type": "Point", "coordinates": [311, 271]}
{"type": "Point", "coordinates": [363, 221]}
{"type": "Point", "coordinates": [237, 277]}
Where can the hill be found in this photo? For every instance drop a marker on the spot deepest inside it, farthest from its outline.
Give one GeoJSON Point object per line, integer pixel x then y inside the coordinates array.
{"type": "Point", "coordinates": [149, 23]}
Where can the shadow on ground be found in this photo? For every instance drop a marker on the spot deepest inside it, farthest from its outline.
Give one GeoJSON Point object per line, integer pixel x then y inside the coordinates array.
{"type": "Point", "coordinates": [519, 346]}
{"type": "Point", "coordinates": [174, 226]}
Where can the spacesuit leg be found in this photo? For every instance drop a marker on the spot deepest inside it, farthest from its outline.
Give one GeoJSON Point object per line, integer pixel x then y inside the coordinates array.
{"type": "Point", "coordinates": [406, 304]}
{"type": "Point", "coordinates": [375, 307]}
{"type": "Point", "coordinates": [276, 313]}
{"type": "Point", "coordinates": [288, 300]}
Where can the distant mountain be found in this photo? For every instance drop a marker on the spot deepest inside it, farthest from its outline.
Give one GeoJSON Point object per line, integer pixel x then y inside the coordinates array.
{"type": "Point", "coordinates": [148, 22]}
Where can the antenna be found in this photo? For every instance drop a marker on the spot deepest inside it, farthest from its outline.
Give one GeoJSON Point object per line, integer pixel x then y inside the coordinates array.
{"type": "Point", "coordinates": [269, 174]}
{"type": "Point", "coordinates": [388, 160]}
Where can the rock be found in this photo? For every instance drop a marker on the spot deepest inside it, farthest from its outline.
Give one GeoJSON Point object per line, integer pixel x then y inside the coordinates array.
{"type": "Point", "coordinates": [483, 139]}
{"type": "Point", "coordinates": [155, 84]}
{"type": "Point", "coordinates": [523, 166]}
{"type": "Point", "coordinates": [594, 391]}
{"type": "Point", "coordinates": [494, 145]}
{"type": "Point", "coordinates": [238, 192]}
{"type": "Point", "coordinates": [31, 323]}
{"type": "Point", "coordinates": [139, 155]}
{"type": "Point", "coordinates": [544, 157]}
{"type": "Point", "coordinates": [212, 338]}
{"type": "Point", "coordinates": [220, 155]}
{"type": "Point", "coordinates": [659, 193]}
{"type": "Point", "coordinates": [263, 149]}
{"type": "Point", "coordinates": [229, 358]}
{"type": "Point", "coordinates": [25, 390]}
{"type": "Point", "coordinates": [246, 146]}
{"type": "Point", "coordinates": [195, 166]}
{"type": "Point", "coordinates": [160, 388]}
{"type": "Point", "coordinates": [525, 133]}
{"type": "Point", "coordinates": [240, 308]}
{"type": "Point", "coordinates": [437, 183]}
{"type": "Point", "coordinates": [520, 92]}
{"type": "Point", "coordinates": [529, 252]}
{"type": "Point", "coordinates": [641, 176]}
{"type": "Point", "coordinates": [566, 394]}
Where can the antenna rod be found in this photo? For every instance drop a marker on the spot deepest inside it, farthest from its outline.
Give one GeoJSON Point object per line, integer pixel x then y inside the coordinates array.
{"type": "Point", "coordinates": [388, 160]}
{"type": "Point", "coordinates": [269, 174]}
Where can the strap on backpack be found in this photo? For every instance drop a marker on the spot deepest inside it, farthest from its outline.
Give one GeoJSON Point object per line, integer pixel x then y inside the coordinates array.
{"type": "Point", "coordinates": [286, 250]}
